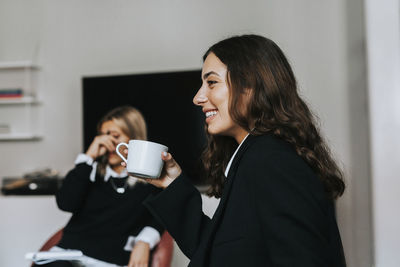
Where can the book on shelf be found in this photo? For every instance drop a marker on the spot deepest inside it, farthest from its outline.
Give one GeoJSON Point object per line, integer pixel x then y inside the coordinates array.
{"type": "Point", "coordinates": [4, 128]}
{"type": "Point", "coordinates": [11, 93]}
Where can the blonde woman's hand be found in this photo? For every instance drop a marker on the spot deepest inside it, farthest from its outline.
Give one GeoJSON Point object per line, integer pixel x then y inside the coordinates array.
{"type": "Point", "coordinates": [169, 173]}
{"type": "Point", "coordinates": [140, 255]}
{"type": "Point", "coordinates": [100, 145]}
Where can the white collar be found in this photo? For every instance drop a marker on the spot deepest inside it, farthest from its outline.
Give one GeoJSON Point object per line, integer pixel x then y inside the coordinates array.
{"type": "Point", "coordinates": [110, 172]}
{"type": "Point", "coordinates": [233, 156]}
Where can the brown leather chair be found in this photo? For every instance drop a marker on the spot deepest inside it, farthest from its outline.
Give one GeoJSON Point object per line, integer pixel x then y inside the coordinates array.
{"type": "Point", "coordinates": [161, 257]}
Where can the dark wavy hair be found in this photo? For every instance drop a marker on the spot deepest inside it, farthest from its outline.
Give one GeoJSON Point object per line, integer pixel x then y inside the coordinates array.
{"type": "Point", "coordinates": [257, 63]}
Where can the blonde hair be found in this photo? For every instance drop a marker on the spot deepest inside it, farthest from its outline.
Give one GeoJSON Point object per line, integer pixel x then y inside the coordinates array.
{"type": "Point", "coordinates": [130, 121]}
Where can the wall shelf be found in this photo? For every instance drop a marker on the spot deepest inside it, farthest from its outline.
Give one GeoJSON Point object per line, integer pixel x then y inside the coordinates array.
{"type": "Point", "coordinates": [18, 65]}
{"type": "Point", "coordinates": [19, 101]}
{"type": "Point", "coordinates": [19, 137]}
{"type": "Point", "coordinates": [20, 115]}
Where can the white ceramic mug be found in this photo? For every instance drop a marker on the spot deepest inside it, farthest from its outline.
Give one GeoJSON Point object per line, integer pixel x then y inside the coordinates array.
{"type": "Point", "coordinates": [144, 158]}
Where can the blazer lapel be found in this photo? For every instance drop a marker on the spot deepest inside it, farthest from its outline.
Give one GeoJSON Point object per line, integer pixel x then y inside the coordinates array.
{"type": "Point", "coordinates": [230, 179]}
{"type": "Point", "coordinates": [200, 258]}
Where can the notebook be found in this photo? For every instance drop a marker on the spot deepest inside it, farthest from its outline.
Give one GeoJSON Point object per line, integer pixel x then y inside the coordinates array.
{"type": "Point", "coordinates": [43, 257]}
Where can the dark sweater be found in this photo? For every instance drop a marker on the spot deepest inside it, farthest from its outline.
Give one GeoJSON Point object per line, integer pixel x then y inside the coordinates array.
{"type": "Point", "coordinates": [102, 219]}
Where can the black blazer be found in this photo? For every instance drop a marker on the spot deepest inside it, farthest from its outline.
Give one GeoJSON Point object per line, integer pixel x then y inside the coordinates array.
{"type": "Point", "coordinates": [273, 212]}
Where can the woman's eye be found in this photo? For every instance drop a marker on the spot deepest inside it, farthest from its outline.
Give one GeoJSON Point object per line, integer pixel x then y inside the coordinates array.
{"type": "Point", "coordinates": [211, 82]}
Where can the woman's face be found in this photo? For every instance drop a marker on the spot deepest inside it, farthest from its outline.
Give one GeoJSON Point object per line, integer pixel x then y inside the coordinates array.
{"type": "Point", "coordinates": [213, 96]}
{"type": "Point", "coordinates": [112, 129]}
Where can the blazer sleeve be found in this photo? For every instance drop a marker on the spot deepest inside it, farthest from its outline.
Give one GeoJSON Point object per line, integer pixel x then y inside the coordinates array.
{"type": "Point", "coordinates": [291, 207]}
{"type": "Point", "coordinates": [179, 209]}
{"type": "Point", "coordinates": [152, 221]}
{"type": "Point", "coordinates": [73, 191]}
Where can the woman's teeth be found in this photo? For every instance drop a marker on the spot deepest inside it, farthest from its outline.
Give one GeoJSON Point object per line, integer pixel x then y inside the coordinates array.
{"type": "Point", "coordinates": [210, 113]}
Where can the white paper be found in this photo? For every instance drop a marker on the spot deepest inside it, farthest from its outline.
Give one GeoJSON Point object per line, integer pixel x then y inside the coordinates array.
{"type": "Point", "coordinates": [43, 257]}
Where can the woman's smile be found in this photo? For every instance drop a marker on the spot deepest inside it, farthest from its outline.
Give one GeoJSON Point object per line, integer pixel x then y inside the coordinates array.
{"type": "Point", "coordinates": [210, 115]}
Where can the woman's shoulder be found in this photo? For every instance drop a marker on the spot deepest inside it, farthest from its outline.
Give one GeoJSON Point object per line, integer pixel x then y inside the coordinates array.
{"type": "Point", "coordinates": [269, 143]}
{"type": "Point", "coordinates": [270, 152]}
{"type": "Point", "coordinates": [271, 157]}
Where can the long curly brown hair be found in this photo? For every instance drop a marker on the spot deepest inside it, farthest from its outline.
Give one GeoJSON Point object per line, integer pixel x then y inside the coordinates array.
{"type": "Point", "coordinates": [257, 63]}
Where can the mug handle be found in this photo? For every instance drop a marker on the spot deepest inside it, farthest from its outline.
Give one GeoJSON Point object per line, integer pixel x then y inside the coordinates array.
{"type": "Point", "coordinates": [119, 154]}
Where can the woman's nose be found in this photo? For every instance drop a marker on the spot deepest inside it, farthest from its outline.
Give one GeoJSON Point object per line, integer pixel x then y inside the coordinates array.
{"type": "Point", "coordinates": [200, 97]}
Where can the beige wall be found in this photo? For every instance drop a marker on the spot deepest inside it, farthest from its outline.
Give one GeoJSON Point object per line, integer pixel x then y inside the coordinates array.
{"type": "Point", "coordinates": [69, 39]}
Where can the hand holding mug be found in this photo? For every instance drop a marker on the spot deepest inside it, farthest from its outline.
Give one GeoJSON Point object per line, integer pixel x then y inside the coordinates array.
{"type": "Point", "coordinates": [143, 158]}
{"type": "Point", "coordinates": [146, 160]}
{"type": "Point", "coordinates": [169, 173]}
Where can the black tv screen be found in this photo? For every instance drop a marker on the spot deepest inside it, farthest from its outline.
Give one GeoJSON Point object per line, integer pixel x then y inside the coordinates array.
{"type": "Point", "coordinates": [165, 100]}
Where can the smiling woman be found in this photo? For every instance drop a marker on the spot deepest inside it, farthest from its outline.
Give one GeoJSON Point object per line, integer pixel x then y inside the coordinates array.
{"type": "Point", "coordinates": [267, 162]}
{"type": "Point", "coordinates": [213, 97]}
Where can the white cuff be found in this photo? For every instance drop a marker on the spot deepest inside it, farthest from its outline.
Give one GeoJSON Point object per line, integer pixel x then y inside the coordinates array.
{"type": "Point", "coordinates": [83, 158]}
{"type": "Point", "coordinates": [149, 235]}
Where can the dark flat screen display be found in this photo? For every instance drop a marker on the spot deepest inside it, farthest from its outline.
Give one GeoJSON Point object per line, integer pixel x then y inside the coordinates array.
{"type": "Point", "coordinates": [165, 100]}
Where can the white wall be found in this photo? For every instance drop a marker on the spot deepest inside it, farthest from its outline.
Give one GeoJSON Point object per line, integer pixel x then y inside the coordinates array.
{"type": "Point", "coordinates": [26, 222]}
{"type": "Point", "coordinates": [71, 39]}
{"type": "Point", "coordinates": [383, 32]}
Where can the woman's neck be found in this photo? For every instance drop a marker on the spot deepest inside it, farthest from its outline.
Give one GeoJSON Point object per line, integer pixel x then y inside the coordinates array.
{"type": "Point", "coordinates": [117, 168]}
{"type": "Point", "coordinates": [240, 135]}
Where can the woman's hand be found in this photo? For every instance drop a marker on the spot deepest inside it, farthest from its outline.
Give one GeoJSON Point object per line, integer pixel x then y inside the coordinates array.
{"type": "Point", "coordinates": [140, 255]}
{"type": "Point", "coordinates": [169, 173]}
{"type": "Point", "coordinates": [100, 145]}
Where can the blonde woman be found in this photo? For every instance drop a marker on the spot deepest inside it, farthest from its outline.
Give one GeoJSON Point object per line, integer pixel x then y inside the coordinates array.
{"type": "Point", "coordinates": [109, 224]}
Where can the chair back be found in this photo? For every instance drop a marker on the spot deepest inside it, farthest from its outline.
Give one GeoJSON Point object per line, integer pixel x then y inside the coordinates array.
{"type": "Point", "coordinates": [161, 257]}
